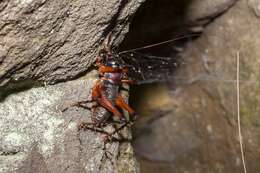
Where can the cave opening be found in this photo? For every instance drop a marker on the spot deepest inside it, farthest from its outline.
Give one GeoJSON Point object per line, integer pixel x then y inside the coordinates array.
{"type": "Point", "coordinates": [156, 22]}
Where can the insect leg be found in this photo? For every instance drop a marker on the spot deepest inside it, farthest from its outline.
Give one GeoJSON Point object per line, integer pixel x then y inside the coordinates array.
{"type": "Point", "coordinates": [92, 127]}
{"type": "Point", "coordinates": [79, 104]}
{"type": "Point", "coordinates": [96, 90]}
{"type": "Point", "coordinates": [109, 106]}
{"type": "Point", "coordinates": [110, 137]}
{"type": "Point", "coordinates": [120, 102]}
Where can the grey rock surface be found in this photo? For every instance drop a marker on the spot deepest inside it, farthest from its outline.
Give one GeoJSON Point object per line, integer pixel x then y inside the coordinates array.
{"type": "Point", "coordinates": [255, 6]}
{"type": "Point", "coordinates": [207, 9]}
{"type": "Point", "coordinates": [53, 41]}
{"type": "Point", "coordinates": [37, 137]}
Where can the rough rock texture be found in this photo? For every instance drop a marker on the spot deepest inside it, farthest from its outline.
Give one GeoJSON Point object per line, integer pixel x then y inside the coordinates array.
{"type": "Point", "coordinates": [37, 137]}
{"type": "Point", "coordinates": [194, 126]}
{"type": "Point", "coordinates": [46, 41]}
{"type": "Point", "coordinates": [52, 40]}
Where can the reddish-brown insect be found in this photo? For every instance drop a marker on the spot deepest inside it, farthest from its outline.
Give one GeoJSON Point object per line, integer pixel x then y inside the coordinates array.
{"type": "Point", "coordinates": [106, 91]}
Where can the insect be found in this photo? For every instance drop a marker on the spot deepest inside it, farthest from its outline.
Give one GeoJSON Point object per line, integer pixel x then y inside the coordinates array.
{"type": "Point", "coordinates": [106, 93]}
{"type": "Point", "coordinates": [113, 69]}
{"type": "Point", "coordinates": [113, 72]}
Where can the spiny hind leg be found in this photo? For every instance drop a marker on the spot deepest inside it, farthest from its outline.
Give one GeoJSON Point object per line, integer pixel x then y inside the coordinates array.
{"type": "Point", "coordinates": [120, 102]}
{"type": "Point", "coordinates": [93, 126]}
{"type": "Point", "coordinates": [106, 103]}
{"type": "Point", "coordinates": [78, 104]}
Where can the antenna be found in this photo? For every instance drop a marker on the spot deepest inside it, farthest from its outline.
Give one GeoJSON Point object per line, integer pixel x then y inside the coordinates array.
{"type": "Point", "coordinates": [160, 43]}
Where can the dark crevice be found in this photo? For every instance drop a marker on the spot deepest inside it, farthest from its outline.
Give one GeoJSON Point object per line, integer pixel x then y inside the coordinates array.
{"type": "Point", "coordinates": [8, 153]}
{"type": "Point", "coordinates": [18, 86]}
{"type": "Point", "coordinates": [151, 24]}
{"type": "Point", "coordinates": [3, 5]}
{"type": "Point", "coordinates": [156, 22]}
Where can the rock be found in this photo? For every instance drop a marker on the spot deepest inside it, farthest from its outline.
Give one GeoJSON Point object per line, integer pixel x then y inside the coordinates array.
{"type": "Point", "coordinates": [194, 129]}
{"type": "Point", "coordinates": [54, 41]}
{"type": "Point", "coordinates": [207, 9]}
{"type": "Point", "coordinates": [37, 137]}
{"type": "Point", "coordinates": [255, 6]}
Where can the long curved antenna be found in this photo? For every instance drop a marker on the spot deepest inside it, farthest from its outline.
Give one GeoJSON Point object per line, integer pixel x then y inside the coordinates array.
{"type": "Point", "coordinates": [160, 43]}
